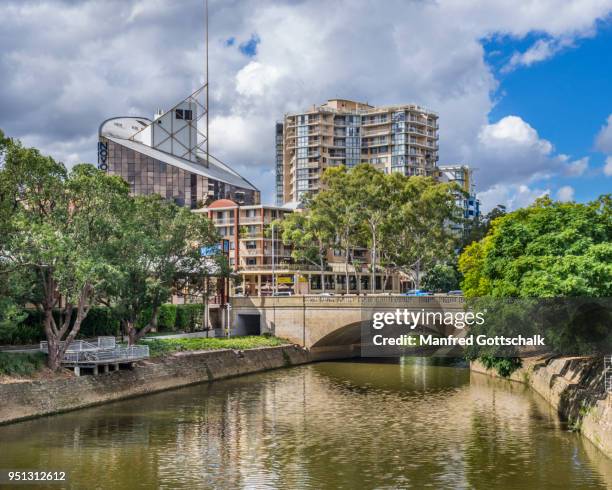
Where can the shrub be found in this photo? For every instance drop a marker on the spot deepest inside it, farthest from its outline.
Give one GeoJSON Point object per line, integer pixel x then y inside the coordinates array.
{"type": "Point", "coordinates": [21, 364]}
{"type": "Point", "coordinates": [167, 317]}
{"type": "Point", "coordinates": [504, 366]}
{"type": "Point", "coordinates": [188, 317]}
{"type": "Point", "coordinates": [100, 321]}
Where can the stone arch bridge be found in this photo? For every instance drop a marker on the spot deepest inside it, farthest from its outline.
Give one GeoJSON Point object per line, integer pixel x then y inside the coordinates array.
{"type": "Point", "coordinates": [329, 326]}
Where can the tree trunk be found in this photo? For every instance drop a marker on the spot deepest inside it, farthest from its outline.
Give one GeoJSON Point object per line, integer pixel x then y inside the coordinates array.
{"type": "Point", "coordinates": [373, 265]}
{"type": "Point", "coordinates": [346, 271]}
{"type": "Point", "coordinates": [134, 335]}
{"type": "Point", "coordinates": [131, 332]}
{"type": "Point", "coordinates": [322, 274]}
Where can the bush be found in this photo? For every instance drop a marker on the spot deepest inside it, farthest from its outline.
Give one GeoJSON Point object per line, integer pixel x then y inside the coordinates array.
{"type": "Point", "coordinates": [159, 347]}
{"type": "Point", "coordinates": [504, 366]}
{"type": "Point", "coordinates": [21, 364]}
{"type": "Point", "coordinates": [167, 318]}
{"type": "Point", "coordinates": [188, 317]}
{"type": "Point", "coordinates": [100, 321]}
{"type": "Point", "coordinates": [105, 321]}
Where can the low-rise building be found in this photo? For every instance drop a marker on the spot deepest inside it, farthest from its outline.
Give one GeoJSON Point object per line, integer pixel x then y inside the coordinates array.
{"type": "Point", "coordinates": [265, 264]}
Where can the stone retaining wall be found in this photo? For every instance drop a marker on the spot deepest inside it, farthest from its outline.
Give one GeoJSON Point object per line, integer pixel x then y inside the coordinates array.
{"type": "Point", "coordinates": [20, 401]}
{"type": "Point", "coordinates": [574, 386]}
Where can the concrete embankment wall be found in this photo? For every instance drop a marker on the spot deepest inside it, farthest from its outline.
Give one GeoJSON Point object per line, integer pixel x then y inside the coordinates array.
{"type": "Point", "coordinates": [575, 388]}
{"type": "Point", "coordinates": [20, 401]}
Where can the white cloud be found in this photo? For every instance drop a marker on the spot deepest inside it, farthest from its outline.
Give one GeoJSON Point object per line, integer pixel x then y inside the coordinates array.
{"type": "Point", "coordinates": [256, 78]}
{"type": "Point", "coordinates": [577, 167]}
{"type": "Point", "coordinates": [511, 151]}
{"type": "Point", "coordinates": [608, 167]}
{"type": "Point", "coordinates": [512, 196]}
{"type": "Point", "coordinates": [541, 50]}
{"type": "Point", "coordinates": [565, 193]}
{"type": "Point", "coordinates": [63, 71]}
{"type": "Point", "coordinates": [603, 141]}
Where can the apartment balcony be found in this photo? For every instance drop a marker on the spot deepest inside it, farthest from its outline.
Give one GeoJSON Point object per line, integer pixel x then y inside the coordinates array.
{"type": "Point", "coordinates": [375, 123]}
{"type": "Point", "coordinates": [223, 222]}
{"type": "Point", "coordinates": [375, 143]}
{"type": "Point", "coordinates": [378, 132]}
{"type": "Point", "coordinates": [278, 267]}
{"type": "Point", "coordinates": [251, 235]}
{"type": "Point", "coordinates": [253, 220]}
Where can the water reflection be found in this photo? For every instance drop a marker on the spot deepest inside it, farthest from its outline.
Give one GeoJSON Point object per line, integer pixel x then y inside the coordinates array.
{"type": "Point", "coordinates": [327, 425]}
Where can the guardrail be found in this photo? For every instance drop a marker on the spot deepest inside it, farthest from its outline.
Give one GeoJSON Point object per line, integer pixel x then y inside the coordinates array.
{"type": "Point", "coordinates": [118, 354]}
{"type": "Point", "coordinates": [608, 373]}
{"type": "Point", "coordinates": [83, 345]}
{"type": "Point", "coordinates": [104, 351]}
{"type": "Point", "coordinates": [370, 301]}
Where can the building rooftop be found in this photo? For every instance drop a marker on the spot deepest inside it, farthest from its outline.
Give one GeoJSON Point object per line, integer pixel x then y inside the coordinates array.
{"type": "Point", "coordinates": [215, 169]}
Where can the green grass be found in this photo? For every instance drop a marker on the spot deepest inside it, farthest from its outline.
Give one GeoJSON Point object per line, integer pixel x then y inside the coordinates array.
{"type": "Point", "coordinates": [159, 347]}
{"type": "Point", "coordinates": [21, 364]}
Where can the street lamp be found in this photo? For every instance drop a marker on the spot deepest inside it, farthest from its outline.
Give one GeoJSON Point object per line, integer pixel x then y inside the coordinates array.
{"type": "Point", "coordinates": [273, 262]}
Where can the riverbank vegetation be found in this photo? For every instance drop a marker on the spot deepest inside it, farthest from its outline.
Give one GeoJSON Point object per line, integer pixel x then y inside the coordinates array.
{"type": "Point", "coordinates": [550, 251]}
{"type": "Point", "coordinates": [160, 347]}
{"type": "Point", "coordinates": [20, 364]}
{"type": "Point", "coordinates": [70, 240]}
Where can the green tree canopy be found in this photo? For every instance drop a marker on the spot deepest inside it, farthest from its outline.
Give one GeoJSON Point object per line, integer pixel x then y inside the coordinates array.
{"type": "Point", "coordinates": [549, 249]}
{"type": "Point", "coordinates": [61, 233]}
{"type": "Point", "coordinates": [160, 250]}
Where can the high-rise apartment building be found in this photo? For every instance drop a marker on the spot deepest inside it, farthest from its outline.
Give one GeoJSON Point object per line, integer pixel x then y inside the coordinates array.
{"type": "Point", "coordinates": [467, 201]}
{"type": "Point", "coordinates": [402, 138]}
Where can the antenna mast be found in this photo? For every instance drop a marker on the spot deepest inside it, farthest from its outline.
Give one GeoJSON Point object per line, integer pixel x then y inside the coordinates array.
{"type": "Point", "coordinates": [206, 81]}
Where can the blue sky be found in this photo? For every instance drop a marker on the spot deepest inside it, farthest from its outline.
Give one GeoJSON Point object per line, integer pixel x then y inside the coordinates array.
{"type": "Point", "coordinates": [567, 98]}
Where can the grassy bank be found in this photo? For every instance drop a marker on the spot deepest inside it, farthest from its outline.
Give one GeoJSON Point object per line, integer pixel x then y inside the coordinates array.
{"type": "Point", "coordinates": [160, 347]}
{"type": "Point", "coordinates": [21, 364]}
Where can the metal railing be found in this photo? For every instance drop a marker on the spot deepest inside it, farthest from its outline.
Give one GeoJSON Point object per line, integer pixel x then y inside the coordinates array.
{"type": "Point", "coordinates": [105, 350]}
{"type": "Point", "coordinates": [118, 354]}
{"type": "Point", "coordinates": [608, 373]}
{"type": "Point", "coordinates": [83, 345]}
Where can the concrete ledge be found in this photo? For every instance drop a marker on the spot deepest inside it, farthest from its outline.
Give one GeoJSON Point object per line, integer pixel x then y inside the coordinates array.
{"type": "Point", "coordinates": [574, 386]}
{"type": "Point", "coordinates": [21, 401]}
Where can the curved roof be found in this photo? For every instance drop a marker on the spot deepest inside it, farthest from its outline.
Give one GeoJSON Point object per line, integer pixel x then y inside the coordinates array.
{"type": "Point", "coordinates": [222, 203]}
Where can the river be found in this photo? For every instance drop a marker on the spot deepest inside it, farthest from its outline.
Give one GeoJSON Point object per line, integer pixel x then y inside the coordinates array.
{"type": "Point", "coordinates": [401, 424]}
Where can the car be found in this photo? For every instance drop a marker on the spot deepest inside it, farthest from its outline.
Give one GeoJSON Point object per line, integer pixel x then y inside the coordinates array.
{"type": "Point", "coordinates": [416, 292]}
{"type": "Point", "coordinates": [282, 293]}
{"type": "Point", "coordinates": [326, 294]}
{"type": "Point", "coordinates": [455, 292]}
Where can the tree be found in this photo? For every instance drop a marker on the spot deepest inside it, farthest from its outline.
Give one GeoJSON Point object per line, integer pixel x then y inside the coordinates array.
{"type": "Point", "coordinates": [60, 232]}
{"type": "Point", "coordinates": [310, 234]}
{"type": "Point", "coordinates": [540, 256]}
{"type": "Point", "coordinates": [441, 277]}
{"type": "Point", "coordinates": [476, 229]}
{"type": "Point", "coordinates": [340, 203]}
{"type": "Point", "coordinates": [161, 248]}
{"type": "Point", "coordinates": [415, 233]}
{"type": "Point", "coordinates": [549, 249]}
{"type": "Point", "coordinates": [376, 196]}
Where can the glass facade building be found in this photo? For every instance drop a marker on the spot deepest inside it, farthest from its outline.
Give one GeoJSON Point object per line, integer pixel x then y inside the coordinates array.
{"type": "Point", "coordinates": [157, 157]}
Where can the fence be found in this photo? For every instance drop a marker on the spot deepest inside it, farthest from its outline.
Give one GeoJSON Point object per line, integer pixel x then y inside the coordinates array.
{"type": "Point", "coordinates": [103, 351]}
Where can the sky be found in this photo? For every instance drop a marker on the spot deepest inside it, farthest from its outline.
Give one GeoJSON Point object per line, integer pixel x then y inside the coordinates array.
{"type": "Point", "coordinates": [522, 88]}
